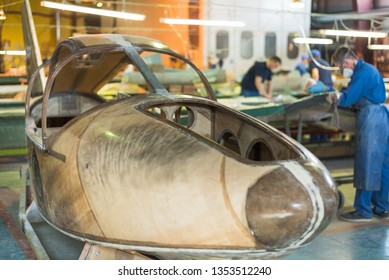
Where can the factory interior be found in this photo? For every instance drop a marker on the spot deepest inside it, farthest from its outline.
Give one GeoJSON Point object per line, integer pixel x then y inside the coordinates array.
{"type": "Point", "coordinates": [78, 182]}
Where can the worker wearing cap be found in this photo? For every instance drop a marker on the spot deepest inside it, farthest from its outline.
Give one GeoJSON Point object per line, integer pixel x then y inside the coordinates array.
{"type": "Point", "coordinates": [366, 92]}
{"type": "Point", "coordinates": [303, 64]}
{"type": "Point", "coordinates": [317, 72]}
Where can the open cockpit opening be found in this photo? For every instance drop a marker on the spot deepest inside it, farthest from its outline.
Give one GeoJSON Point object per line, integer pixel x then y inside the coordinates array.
{"type": "Point", "coordinates": [63, 107]}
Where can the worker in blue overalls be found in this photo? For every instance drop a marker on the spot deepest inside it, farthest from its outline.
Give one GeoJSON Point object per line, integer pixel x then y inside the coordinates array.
{"type": "Point", "coordinates": [366, 91]}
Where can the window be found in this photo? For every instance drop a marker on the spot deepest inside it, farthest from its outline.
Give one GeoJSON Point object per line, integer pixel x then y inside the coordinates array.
{"type": "Point", "coordinates": [260, 152]}
{"type": "Point", "coordinates": [222, 44]}
{"type": "Point", "coordinates": [270, 44]}
{"type": "Point", "coordinates": [229, 141]}
{"type": "Point", "coordinates": [292, 51]}
{"type": "Point", "coordinates": [184, 116]}
{"type": "Point", "coordinates": [246, 44]}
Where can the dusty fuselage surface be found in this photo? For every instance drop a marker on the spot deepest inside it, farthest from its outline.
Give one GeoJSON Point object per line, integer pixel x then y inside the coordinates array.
{"type": "Point", "coordinates": [174, 176]}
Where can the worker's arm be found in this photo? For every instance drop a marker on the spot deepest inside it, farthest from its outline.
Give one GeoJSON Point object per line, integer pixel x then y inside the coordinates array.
{"type": "Point", "coordinates": [354, 90]}
{"type": "Point", "coordinates": [269, 87]}
{"type": "Point", "coordinates": [315, 74]}
{"type": "Point", "coordinates": [260, 87]}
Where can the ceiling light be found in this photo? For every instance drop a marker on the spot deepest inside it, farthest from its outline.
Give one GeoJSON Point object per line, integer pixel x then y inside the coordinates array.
{"type": "Point", "coordinates": [296, 4]}
{"type": "Point", "coordinates": [202, 22]}
{"type": "Point", "coordinates": [378, 47]}
{"type": "Point", "coordinates": [2, 15]}
{"type": "Point", "coordinates": [100, 12]}
{"type": "Point", "coordinates": [316, 41]}
{"type": "Point", "coordinates": [12, 52]}
{"type": "Point", "coordinates": [352, 33]}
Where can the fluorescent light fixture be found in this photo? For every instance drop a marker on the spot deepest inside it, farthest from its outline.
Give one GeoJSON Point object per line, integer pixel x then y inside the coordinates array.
{"type": "Point", "coordinates": [352, 33]}
{"type": "Point", "coordinates": [296, 4]}
{"type": "Point", "coordinates": [316, 41]}
{"type": "Point", "coordinates": [86, 10]}
{"type": "Point", "coordinates": [12, 52]}
{"type": "Point", "coordinates": [202, 22]}
{"type": "Point", "coordinates": [378, 47]}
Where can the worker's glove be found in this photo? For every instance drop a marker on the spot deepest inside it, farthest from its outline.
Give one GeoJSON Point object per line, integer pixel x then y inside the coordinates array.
{"type": "Point", "coordinates": [333, 97]}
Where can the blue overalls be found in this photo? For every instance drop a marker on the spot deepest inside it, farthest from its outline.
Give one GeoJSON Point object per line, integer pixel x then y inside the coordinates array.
{"type": "Point", "coordinates": [366, 91]}
{"type": "Point", "coordinates": [371, 166]}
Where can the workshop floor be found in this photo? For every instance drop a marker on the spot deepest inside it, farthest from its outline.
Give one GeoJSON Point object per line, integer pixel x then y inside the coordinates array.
{"type": "Point", "coordinates": [340, 241]}
{"type": "Point", "coordinates": [13, 243]}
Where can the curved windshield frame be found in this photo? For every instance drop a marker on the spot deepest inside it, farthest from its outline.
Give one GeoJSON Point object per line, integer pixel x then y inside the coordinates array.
{"type": "Point", "coordinates": [132, 56]}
